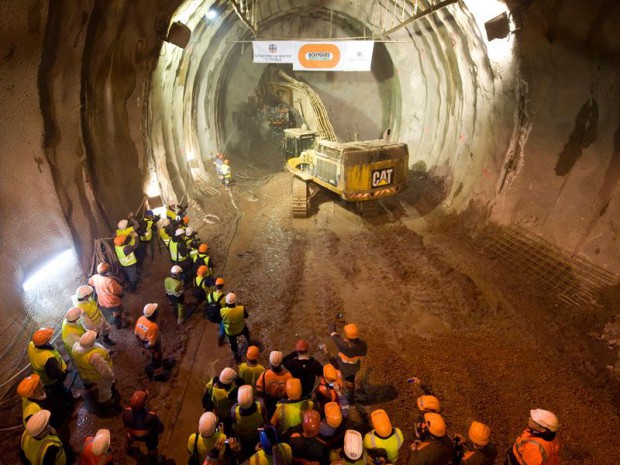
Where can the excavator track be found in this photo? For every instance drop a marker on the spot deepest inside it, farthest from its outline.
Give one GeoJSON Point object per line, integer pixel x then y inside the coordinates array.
{"type": "Point", "coordinates": [300, 198]}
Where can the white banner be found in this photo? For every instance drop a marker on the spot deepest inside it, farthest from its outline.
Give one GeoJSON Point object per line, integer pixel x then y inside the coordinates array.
{"type": "Point", "coordinates": [273, 52]}
{"type": "Point", "coordinates": [352, 55]}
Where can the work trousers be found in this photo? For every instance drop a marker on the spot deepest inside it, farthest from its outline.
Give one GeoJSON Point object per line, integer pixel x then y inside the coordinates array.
{"type": "Point", "coordinates": [233, 340]}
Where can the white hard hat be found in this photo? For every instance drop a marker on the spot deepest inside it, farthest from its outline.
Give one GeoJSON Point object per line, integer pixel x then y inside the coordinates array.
{"type": "Point", "coordinates": [101, 443]}
{"type": "Point", "coordinates": [179, 232]}
{"type": "Point", "coordinates": [73, 314]}
{"type": "Point", "coordinates": [83, 291]}
{"type": "Point", "coordinates": [166, 222]}
{"type": "Point", "coordinates": [206, 424]}
{"type": "Point", "coordinates": [227, 375]}
{"type": "Point", "coordinates": [176, 269]}
{"type": "Point", "coordinates": [88, 339]}
{"type": "Point", "coordinates": [545, 418]}
{"type": "Point", "coordinates": [353, 444]}
{"type": "Point", "coordinates": [245, 395]}
{"type": "Point", "coordinates": [38, 422]}
{"type": "Point", "coordinates": [149, 309]}
{"type": "Point", "coordinates": [122, 224]}
{"type": "Point", "coordinates": [189, 231]}
{"type": "Point", "coordinates": [275, 358]}
{"type": "Point", "coordinates": [231, 298]}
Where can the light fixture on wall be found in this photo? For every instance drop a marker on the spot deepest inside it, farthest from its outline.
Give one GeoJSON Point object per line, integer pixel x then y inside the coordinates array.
{"type": "Point", "coordinates": [177, 33]}
{"type": "Point", "coordinates": [498, 27]}
{"type": "Point", "coordinates": [212, 14]}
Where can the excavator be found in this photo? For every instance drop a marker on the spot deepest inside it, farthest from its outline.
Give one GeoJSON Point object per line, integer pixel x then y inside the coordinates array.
{"type": "Point", "coordinates": [362, 172]}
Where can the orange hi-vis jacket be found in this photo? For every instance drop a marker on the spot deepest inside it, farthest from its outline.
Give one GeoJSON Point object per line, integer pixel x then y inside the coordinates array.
{"type": "Point", "coordinates": [147, 331]}
{"type": "Point", "coordinates": [273, 384]}
{"type": "Point", "coordinates": [530, 449]}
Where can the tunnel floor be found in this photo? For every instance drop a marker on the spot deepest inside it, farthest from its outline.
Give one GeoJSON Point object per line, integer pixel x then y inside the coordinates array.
{"type": "Point", "coordinates": [490, 341]}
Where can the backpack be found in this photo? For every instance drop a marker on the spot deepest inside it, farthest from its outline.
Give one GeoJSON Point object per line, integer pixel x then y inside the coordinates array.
{"type": "Point", "coordinates": [213, 309]}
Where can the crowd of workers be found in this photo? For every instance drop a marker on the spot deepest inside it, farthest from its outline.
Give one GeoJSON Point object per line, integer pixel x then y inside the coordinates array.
{"type": "Point", "coordinates": [294, 411]}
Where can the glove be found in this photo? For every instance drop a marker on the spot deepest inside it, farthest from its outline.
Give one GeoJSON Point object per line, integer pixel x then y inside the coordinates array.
{"type": "Point", "coordinates": [331, 328]}
{"type": "Point", "coordinates": [219, 443]}
{"type": "Point", "coordinates": [234, 445]}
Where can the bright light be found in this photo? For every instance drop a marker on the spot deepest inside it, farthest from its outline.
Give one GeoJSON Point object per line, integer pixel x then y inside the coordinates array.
{"type": "Point", "coordinates": [161, 211]}
{"type": "Point", "coordinates": [152, 188]}
{"type": "Point", "coordinates": [56, 267]}
{"type": "Point", "coordinates": [211, 14]}
{"type": "Point", "coordinates": [189, 155]}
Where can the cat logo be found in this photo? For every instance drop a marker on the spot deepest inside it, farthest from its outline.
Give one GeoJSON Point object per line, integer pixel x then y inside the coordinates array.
{"type": "Point", "coordinates": [382, 177]}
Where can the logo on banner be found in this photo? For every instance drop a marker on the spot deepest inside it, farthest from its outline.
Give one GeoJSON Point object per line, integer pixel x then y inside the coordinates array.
{"type": "Point", "coordinates": [273, 48]}
{"type": "Point", "coordinates": [319, 55]}
{"type": "Point", "coordinates": [382, 177]}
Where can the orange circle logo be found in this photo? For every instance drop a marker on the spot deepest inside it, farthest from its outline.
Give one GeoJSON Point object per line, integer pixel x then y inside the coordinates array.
{"type": "Point", "coordinates": [319, 55]}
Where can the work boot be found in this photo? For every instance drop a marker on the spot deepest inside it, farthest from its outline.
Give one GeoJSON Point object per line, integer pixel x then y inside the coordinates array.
{"type": "Point", "coordinates": [108, 341]}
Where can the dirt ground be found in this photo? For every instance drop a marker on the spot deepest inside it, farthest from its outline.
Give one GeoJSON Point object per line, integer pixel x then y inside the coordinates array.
{"type": "Point", "coordinates": [491, 341]}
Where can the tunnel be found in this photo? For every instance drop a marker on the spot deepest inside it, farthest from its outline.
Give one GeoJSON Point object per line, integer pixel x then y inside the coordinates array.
{"type": "Point", "coordinates": [492, 275]}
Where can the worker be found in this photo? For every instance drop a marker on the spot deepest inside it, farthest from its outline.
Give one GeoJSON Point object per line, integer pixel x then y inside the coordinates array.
{"type": "Point", "coordinates": [128, 228]}
{"type": "Point", "coordinates": [425, 403]}
{"type": "Point", "coordinates": [94, 366]}
{"type": "Point", "coordinates": [31, 391]}
{"type": "Point", "coordinates": [83, 298]}
{"type": "Point", "coordinates": [352, 452]}
{"type": "Point", "coordinates": [109, 295]}
{"type": "Point", "coordinates": [434, 446]}
{"type": "Point", "coordinates": [233, 319]}
{"type": "Point", "coordinates": [192, 241]}
{"type": "Point", "coordinates": [226, 174]}
{"type": "Point", "coordinates": [127, 258]}
{"type": "Point", "coordinates": [271, 385]}
{"type": "Point", "coordinates": [202, 284]}
{"type": "Point", "coordinates": [147, 333]}
{"type": "Point", "coordinates": [538, 444]}
{"type": "Point", "coordinates": [209, 442]}
{"type": "Point", "coordinates": [333, 426]}
{"type": "Point", "coordinates": [40, 445]}
{"type": "Point", "coordinates": [165, 231]}
{"type": "Point", "coordinates": [250, 370]}
{"type": "Point", "coordinates": [478, 449]}
{"type": "Point", "coordinates": [289, 412]}
{"type": "Point", "coordinates": [307, 446]}
{"type": "Point", "coordinates": [171, 212]}
{"type": "Point", "coordinates": [221, 394]}
{"type": "Point", "coordinates": [351, 352]}
{"type": "Point", "coordinates": [179, 254]}
{"type": "Point", "coordinates": [218, 162]}
{"type": "Point", "coordinates": [384, 441]}
{"type": "Point", "coordinates": [329, 389]}
{"type": "Point", "coordinates": [303, 366]}
{"type": "Point", "coordinates": [248, 415]}
{"type": "Point", "coordinates": [96, 449]}
{"type": "Point", "coordinates": [271, 450]}
{"type": "Point", "coordinates": [142, 425]}
{"type": "Point", "coordinates": [215, 301]}
{"type": "Point", "coordinates": [203, 258]}
{"type": "Point", "coordinates": [174, 291]}
{"type": "Point", "coordinates": [72, 328]}
{"type": "Point", "coordinates": [46, 362]}
{"type": "Point", "coordinates": [145, 230]}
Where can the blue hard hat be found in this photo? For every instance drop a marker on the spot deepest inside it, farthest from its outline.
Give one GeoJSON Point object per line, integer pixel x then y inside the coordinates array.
{"type": "Point", "coordinates": [149, 213]}
{"type": "Point", "coordinates": [268, 438]}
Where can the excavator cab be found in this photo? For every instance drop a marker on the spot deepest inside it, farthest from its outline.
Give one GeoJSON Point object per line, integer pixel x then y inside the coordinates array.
{"type": "Point", "coordinates": [297, 140]}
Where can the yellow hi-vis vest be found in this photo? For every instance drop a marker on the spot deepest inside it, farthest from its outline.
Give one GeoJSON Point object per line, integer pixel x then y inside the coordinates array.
{"type": "Point", "coordinates": [225, 170]}
{"type": "Point", "coordinates": [204, 445]}
{"type": "Point", "coordinates": [290, 414]}
{"type": "Point", "coordinates": [233, 319]}
{"type": "Point", "coordinates": [125, 260]}
{"type": "Point", "coordinates": [337, 457]}
{"type": "Point", "coordinates": [221, 403]}
{"type": "Point", "coordinates": [175, 255]}
{"type": "Point", "coordinates": [250, 374]}
{"type": "Point", "coordinates": [38, 358]}
{"type": "Point", "coordinates": [283, 449]}
{"type": "Point", "coordinates": [148, 234]}
{"type": "Point", "coordinates": [246, 426]}
{"type": "Point", "coordinates": [163, 235]}
{"type": "Point", "coordinates": [29, 408]}
{"type": "Point", "coordinates": [34, 449]}
{"type": "Point", "coordinates": [391, 444]}
{"type": "Point", "coordinates": [82, 362]}
{"type": "Point", "coordinates": [91, 310]}
{"type": "Point", "coordinates": [71, 333]}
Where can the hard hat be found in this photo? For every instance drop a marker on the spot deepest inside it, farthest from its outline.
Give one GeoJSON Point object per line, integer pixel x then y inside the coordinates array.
{"type": "Point", "coordinates": [311, 423]}
{"type": "Point", "coordinates": [545, 418]}
{"type": "Point", "coordinates": [83, 292]}
{"type": "Point", "coordinates": [207, 424]}
{"type": "Point", "coordinates": [333, 414]}
{"type": "Point", "coordinates": [436, 424]}
{"type": "Point", "coordinates": [149, 309]}
{"type": "Point", "coordinates": [381, 423]}
{"type": "Point", "coordinates": [88, 339]}
{"type": "Point", "coordinates": [275, 358]}
{"type": "Point", "coordinates": [202, 248]}
{"type": "Point", "coordinates": [252, 353]}
{"type": "Point", "coordinates": [165, 222]}
{"type": "Point", "coordinates": [302, 346]}
{"type": "Point", "coordinates": [38, 422]}
{"type": "Point", "coordinates": [186, 219]}
{"type": "Point", "coordinates": [429, 404]}
{"type": "Point", "coordinates": [189, 231]}
{"type": "Point", "coordinates": [330, 373]}
{"type": "Point", "coordinates": [28, 386]}
{"type": "Point", "coordinates": [231, 298]}
{"type": "Point", "coordinates": [293, 388]}
{"type": "Point", "coordinates": [138, 399]}
{"type": "Point", "coordinates": [176, 269]}
{"type": "Point", "coordinates": [227, 162]}
{"type": "Point", "coordinates": [227, 375]}
{"type": "Point", "coordinates": [220, 155]}
{"type": "Point", "coordinates": [353, 444]}
{"type": "Point", "coordinates": [202, 270]}
{"type": "Point", "coordinates": [351, 331]}
{"type": "Point", "coordinates": [245, 395]}
{"type": "Point", "coordinates": [101, 443]}
{"type": "Point", "coordinates": [102, 267]}
{"type": "Point", "coordinates": [148, 213]}
{"type": "Point", "coordinates": [268, 438]}
{"type": "Point", "coordinates": [479, 433]}
{"type": "Point", "coordinates": [219, 282]}
{"type": "Point", "coordinates": [122, 224]}
{"type": "Point", "coordinates": [73, 314]}
{"type": "Point", "coordinates": [179, 232]}
{"type": "Point", "coordinates": [42, 336]}
{"type": "Point", "coordinates": [119, 240]}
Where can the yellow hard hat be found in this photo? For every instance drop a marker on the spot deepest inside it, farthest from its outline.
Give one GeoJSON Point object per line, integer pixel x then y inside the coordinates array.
{"type": "Point", "coordinates": [351, 331]}
{"type": "Point", "coordinates": [293, 388]}
{"type": "Point", "coordinates": [436, 424]}
{"type": "Point", "coordinates": [381, 423]}
{"type": "Point", "coordinates": [429, 404]}
{"type": "Point", "coordinates": [333, 414]}
{"type": "Point", "coordinates": [479, 433]}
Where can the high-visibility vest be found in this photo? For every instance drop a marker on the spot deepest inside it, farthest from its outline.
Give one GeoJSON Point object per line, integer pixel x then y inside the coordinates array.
{"type": "Point", "coordinates": [125, 260]}
{"type": "Point", "coordinates": [148, 234]}
{"type": "Point", "coordinates": [221, 403]}
{"type": "Point", "coordinates": [82, 362]}
{"type": "Point", "coordinates": [246, 426]}
{"type": "Point", "coordinates": [38, 358]}
{"type": "Point", "coordinates": [87, 457]}
{"type": "Point", "coordinates": [171, 214]}
{"type": "Point", "coordinates": [175, 255]}
{"type": "Point", "coordinates": [204, 445]}
{"type": "Point", "coordinates": [529, 449]}
{"type": "Point", "coordinates": [29, 408]}
{"type": "Point", "coordinates": [173, 286]}
{"type": "Point", "coordinates": [290, 414]}
{"type": "Point", "coordinates": [283, 450]}
{"type": "Point", "coordinates": [226, 171]}
{"type": "Point", "coordinates": [391, 444]}
{"type": "Point", "coordinates": [91, 310]}
{"type": "Point", "coordinates": [250, 374]}
{"type": "Point", "coordinates": [127, 232]}
{"type": "Point", "coordinates": [163, 235]}
{"type": "Point", "coordinates": [199, 283]}
{"type": "Point", "coordinates": [146, 330]}
{"type": "Point", "coordinates": [70, 332]}
{"type": "Point", "coordinates": [337, 457]}
{"type": "Point", "coordinates": [233, 320]}
{"type": "Point", "coordinates": [273, 384]}
{"type": "Point", "coordinates": [34, 449]}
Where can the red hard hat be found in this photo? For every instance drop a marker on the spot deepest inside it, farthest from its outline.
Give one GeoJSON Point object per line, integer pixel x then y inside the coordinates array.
{"type": "Point", "coordinates": [312, 423]}
{"type": "Point", "coordinates": [138, 400]}
{"type": "Point", "coordinates": [302, 346]}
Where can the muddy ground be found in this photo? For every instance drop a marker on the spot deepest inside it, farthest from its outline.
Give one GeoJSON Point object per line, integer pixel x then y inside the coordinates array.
{"type": "Point", "coordinates": [491, 341]}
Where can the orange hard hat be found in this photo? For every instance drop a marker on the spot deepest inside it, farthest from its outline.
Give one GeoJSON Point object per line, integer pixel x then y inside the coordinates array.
{"type": "Point", "coordinates": [202, 270]}
{"type": "Point", "coordinates": [381, 423]}
{"type": "Point", "coordinates": [293, 388]}
{"type": "Point", "coordinates": [186, 219]}
{"type": "Point", "coordinates": [333, 414]}
{"type": "Point", "coordinates": [330, 373]}
{"type": "Point", "coordinates": [219, 282]}
{"type": "Point", "coordinates": [42, 336]}
{"type": "Point", "coordinates": [428, 404]}
{"type": "Point", "coordinates": [227, 162]}
{"type": "Point", "coordinates": [138, 400]}
{"type": "Point", "coordinates": [202, 248]}
{"type": "Point", "coordinates": [220, 155]}
{"type": "Point", "coordinates": [28, 386]}
{"type": "Point", "coordinates": [102, 267]}
{"type": "Point", "coordinates": [252, 353]}
{"type": "Point", "coordinates": [311, 423]}
{"type": "Point", "coordinates": [351, 331]}
{"type": "Point", "coordinates": [436, 424]}
{"type": "Point", "coordinates": [119, 240]}
{"type": "Point", "coordinates": [479, 433]}
{"type": "Point", "coordinates": [302, 346]}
